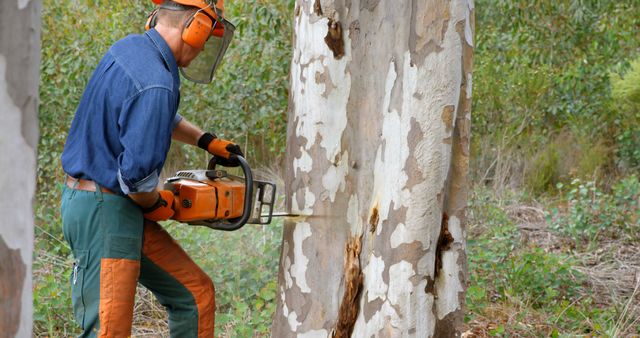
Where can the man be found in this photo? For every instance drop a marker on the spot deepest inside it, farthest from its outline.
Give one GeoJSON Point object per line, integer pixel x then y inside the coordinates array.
{"type": "Point", "coordinates": [116, 148]}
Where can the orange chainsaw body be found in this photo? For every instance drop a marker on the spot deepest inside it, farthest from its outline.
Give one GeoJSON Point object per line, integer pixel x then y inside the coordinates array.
{"type": "Point", "coordinates": [208, 199]}
{"type": "Point", "coordinates": [221, 201]}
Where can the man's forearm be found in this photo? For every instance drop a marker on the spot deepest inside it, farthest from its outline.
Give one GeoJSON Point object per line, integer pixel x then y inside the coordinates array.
{"type": "Point", "coordinates": [145, 199]}
{"type": "Point", "coordinates": [187, 132]}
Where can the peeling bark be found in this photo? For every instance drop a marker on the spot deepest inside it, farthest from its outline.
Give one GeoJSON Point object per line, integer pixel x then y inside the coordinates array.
{"type": "Point", "coordinates": [377, 150]}
{"type": "Point", "coordinates": [349, 307]}
{"type": "Point", "coordinates": [334, 38]}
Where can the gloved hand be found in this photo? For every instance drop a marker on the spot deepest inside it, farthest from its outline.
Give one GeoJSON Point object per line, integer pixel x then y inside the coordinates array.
{"type": "Point", "coordinates": [162, 210]}
{"type": "Point", "coordinates": [221, 149]}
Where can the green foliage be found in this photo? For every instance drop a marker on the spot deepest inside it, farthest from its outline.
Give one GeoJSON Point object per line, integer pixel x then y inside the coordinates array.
{"type": "Point", "coordinates": [500, 265]}
{"type": "Point", "coordinates": [542, 70]}
{"type": "Point", "coordinates": [524, 290]}
{"type": "Point", "coordinates": [626, 92]}
{"type": "Point", "coordinates": [591, 213]}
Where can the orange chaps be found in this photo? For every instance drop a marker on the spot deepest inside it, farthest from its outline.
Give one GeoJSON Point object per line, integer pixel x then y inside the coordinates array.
{"type": "Point", "coordinates": [114, 249]}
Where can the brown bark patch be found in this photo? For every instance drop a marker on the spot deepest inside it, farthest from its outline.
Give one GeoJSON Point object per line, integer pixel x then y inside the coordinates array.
{"type": "Point", "coordinates": [444, 242]}
{"type": "Point", "coordinates": [374, 219]}
{"type": "Point", "coordinates": [447, 117]}
{"type": "Point", "coordinates": [449, 326]}
{"type": "Point", "coordinates": [430, 288]}
{"type": "Point", "coordinates": [348, 311]}
{"type": "Point", "coordinates": [12, 273]}
{"type": "Point", "coordinates": [334, 39]}
{"type": "Point", "coordinates": [317, 8]}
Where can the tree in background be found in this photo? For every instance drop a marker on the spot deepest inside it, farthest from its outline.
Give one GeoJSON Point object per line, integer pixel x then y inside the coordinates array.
{"type": "Point", "coordinates": [19, 63]}
{"type": "Point", "coordinates": [377, 163]}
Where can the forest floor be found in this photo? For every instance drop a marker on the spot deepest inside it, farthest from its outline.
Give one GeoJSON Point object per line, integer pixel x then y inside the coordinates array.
{"type": "Point", "coordinates": [556, 268]}
{"type": "Point", "coordinates": [527, 279]}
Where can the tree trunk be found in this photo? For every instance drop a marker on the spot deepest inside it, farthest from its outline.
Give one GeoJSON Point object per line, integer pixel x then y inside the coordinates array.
{"type": "Point", "coordinates": [377, 161]}
{"type": "Point", "coordinates": [19, 79]}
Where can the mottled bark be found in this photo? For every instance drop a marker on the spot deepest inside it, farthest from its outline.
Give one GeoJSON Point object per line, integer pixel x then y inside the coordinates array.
{"type": "Point", "coordinates": [19, 69]}
{"type": "Point", "coordinates": [377, 156]}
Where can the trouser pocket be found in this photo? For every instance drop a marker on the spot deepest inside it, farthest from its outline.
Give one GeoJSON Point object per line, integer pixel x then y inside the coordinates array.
{"type": "Point", "coordinates": [77, 285]}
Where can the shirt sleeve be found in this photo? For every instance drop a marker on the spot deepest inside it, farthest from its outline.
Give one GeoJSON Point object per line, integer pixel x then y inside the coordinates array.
{"type": "Point", "coordinates": [176, 120]}
{"type": "Point", "coordinates": [146, 122]}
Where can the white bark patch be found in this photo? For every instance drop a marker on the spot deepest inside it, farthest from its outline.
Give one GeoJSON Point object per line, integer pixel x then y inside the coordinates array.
{"type": "Point", "coordinates": [314, 334]}
{"type": "Point", "coordinates": [400, 287]}
{"type": "Point", "coordinates": [326, 114]}
{"type": "Point", "coordinates": [353, 218]}
{"type": "Point", "coordinates": [468, 31]}
{"type": "Point", "coordinates": [309, 201]}
{"type": "Point", "coordinates": [469, 85]}
{"type": "Point", "coordinates": [386, 318]}
{"type": "Point", "coordinates": [292, 319]}
{"type": "Point", "coordinates": [426, 264]}
{"type": "Point", "coordinates": [424, 317]}
{"type": "Point", "coordinates": [334, 178]}
{"type": "Point", "coordinates": [373, 282]}
{"type": "Point", "coordinates": [400, 235]}
{"type": "Point", "coordinates": [456, 230]}
{"type": "Point", "coordinates": [389, 176]}
{"type": "Point", "coordinates": [22, 4]}
{"type": "Point", "coordinates": [287, 276]}
{"type": "Point", "coordinates": [299, 267]}
{"type": "Point", "coordinates": [304, 163]}
{"type": "Point", "coordinates": [448, 284]}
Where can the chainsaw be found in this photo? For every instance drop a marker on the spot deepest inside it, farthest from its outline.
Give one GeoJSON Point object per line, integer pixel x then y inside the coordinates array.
{"type": "Point", "coordinates": [221, 201]}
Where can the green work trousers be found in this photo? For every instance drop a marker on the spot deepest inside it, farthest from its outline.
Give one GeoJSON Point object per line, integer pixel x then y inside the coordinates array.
{"type": "Point", "coordinates": [114, 249]}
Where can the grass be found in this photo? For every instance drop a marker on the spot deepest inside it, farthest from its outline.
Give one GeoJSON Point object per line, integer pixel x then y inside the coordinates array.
{"type": "Point", "coordinates": [530, 278]}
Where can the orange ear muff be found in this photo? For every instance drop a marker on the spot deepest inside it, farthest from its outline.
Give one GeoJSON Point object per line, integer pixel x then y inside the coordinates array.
{"type": "Point", "coordinates": [151, 20]}
{"type": "Point", "coordinates": [218, 30]}
{"type": "Point", "coordinates": [197, 30]}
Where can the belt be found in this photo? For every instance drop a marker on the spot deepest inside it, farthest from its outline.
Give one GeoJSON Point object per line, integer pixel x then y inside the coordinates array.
{"type": "Point", "coordinates": [85, 185]}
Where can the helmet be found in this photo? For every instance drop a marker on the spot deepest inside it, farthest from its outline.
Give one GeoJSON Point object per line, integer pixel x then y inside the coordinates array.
{"type": "Point", "coordinates": [206, 29]}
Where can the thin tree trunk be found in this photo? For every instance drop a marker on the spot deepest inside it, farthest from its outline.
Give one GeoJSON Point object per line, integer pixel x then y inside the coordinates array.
{"type": "Point", "coordinates": [19, 79]}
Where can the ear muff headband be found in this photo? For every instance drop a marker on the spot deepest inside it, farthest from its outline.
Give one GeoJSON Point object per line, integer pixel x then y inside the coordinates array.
{"type": "Point", "coordinates": [151, 20]}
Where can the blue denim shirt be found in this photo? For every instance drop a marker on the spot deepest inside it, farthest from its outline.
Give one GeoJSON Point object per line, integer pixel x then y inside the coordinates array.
{"type": "Point", "coordinates": [122, 129]}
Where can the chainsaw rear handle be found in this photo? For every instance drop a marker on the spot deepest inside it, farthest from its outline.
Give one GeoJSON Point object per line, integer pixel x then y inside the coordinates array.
{"type": "Point", "coordinates": [236, 223]}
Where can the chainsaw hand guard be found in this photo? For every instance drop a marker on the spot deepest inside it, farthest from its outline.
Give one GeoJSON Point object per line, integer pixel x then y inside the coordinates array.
{"type": "Point", "coordinates": [236, 223]}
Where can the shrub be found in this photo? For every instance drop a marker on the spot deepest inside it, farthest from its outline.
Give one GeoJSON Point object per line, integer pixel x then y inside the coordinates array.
{"type": "Point", "coordinates": [626, 93]}
{"type": "Point", "coordinates": [591, 213]}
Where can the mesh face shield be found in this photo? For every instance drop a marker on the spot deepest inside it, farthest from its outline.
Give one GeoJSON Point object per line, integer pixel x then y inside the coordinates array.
{"type": "Point", "coordinates": [203, 67]}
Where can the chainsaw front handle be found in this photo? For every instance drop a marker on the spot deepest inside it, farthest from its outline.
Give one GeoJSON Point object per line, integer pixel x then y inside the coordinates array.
{"type": "Point", "coordinates": [239, 222]}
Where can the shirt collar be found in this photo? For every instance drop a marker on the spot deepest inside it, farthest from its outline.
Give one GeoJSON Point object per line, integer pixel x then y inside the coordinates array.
{"type": "Point", "coordinates": [165, 51]}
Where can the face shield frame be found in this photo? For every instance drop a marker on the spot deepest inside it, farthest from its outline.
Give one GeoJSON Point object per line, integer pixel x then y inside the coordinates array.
{"type": "Point", "coordinates": [202, 68]}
